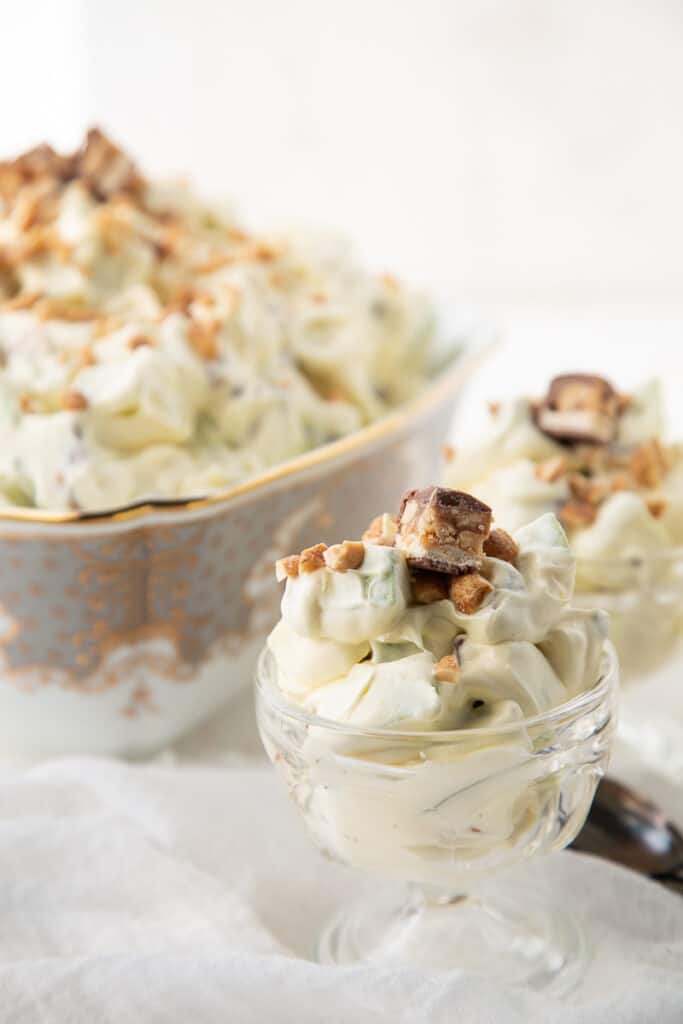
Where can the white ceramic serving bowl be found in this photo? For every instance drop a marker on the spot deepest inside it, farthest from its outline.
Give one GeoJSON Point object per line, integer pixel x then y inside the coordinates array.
{"type": "Point", "coordinates": [120, 632]}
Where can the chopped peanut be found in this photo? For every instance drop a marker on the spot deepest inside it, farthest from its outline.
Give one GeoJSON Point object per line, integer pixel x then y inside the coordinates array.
{"type": "Point", "coordinates": [139, 341]}
{"type": "Point", "coordinates": [500, 544]}
{"type": "Point", "coordinates": [342, 557]}
{"type": "Point", "coordinates": [86, 357]}
{"type": "Point", "coordinates": [312, 558]}
{"type": "Point", "coordinates": [656, 507]}
{"type": "Point", "coordinates": [449, 452]}
{"type": "Point", "coordinates": [204, 339]}
{"type": "Point", "coordinates": [446, 669]}
{"type": "Point", "coordinates": [577, 513]}
{"type": "Point", "coordinates": [593, 490]}
{"type": "Point", "coordinates": [287, 568]}
{"type": "Point", "coordinates": [649, 463]}
{"type": "Point", "coordinates": [382, 531]}
{"type": "Point", "coordinates": [551, 470]}
{"type": "Point", "coordinates": [74, 401]}
{"type": "Point", "coordinates": [468, 592]}
{"type": "Point", "coordinates": [23, 300]}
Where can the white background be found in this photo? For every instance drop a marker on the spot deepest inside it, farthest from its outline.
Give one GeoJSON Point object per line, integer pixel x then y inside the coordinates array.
{"type": "Point", "coordinates": [507, 151]}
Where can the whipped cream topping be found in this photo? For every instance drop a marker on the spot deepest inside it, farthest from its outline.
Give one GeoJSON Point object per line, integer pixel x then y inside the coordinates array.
{"type": "Point", "coordinates": [150, 346]}
{"type": "Point", "coordinates": [617, 499]}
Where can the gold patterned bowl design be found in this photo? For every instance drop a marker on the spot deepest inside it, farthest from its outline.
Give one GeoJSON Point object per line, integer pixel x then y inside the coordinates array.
{"type": "Point", "coordinates": [120, 632]}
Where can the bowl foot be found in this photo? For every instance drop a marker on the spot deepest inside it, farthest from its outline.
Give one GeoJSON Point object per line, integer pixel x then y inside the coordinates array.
{"type": "Point", "coordinates": [507, 935]}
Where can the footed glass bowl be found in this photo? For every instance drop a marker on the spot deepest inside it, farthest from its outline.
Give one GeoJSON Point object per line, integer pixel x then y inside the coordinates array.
{"type": "Point", "coordinates": [644, 598]}
{"type": "Point", "coordinates": [446, 812]}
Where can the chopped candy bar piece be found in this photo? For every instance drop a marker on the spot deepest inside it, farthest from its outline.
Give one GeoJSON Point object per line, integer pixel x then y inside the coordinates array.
{"type": "Point", "coordinates": [468, 592]}
{"type": "Point", "coordinates": [442, 530]}
{"type": "Point", "coordinates": [579, 408]}
{"type": "Point", "coordinates": [500, 544]}
{"type": "Point", "coordinates": [428, 587]}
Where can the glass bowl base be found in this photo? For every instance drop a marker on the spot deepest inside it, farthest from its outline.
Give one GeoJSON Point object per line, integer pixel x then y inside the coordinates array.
{"type": "Point", "coordinates": [510, 937]}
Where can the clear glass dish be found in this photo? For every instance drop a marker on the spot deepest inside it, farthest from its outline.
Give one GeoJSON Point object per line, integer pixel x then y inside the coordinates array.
{"type": "Point", "coordinates": [445, 812]}
{"type": "Point", "coordinates": [644, 599]}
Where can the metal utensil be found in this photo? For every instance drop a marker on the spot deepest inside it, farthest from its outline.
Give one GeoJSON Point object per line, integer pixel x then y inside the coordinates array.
{"type": "Point", "coordinates": [624, 827]}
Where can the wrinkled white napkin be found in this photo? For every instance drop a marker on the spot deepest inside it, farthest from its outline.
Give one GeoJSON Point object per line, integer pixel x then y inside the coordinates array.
{"type": "Point", "coordinates": [191, 894]}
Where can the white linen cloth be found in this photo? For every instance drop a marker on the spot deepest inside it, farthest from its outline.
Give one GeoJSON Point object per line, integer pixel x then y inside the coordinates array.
{"type": "Point", "coordinates": [178, 892]}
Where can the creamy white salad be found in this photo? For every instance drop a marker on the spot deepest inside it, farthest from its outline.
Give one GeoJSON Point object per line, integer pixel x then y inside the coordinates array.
{"type": "Point", "coordinates": [367, 636]}
{"type": "Point", "coordinates": [595, 458]}
{"type": "Point", "coordinates": [599, 460]}
{"type": "Point", "coordinates": [432, 623]}
{"type": "Point", "coordinates": [151, 346]}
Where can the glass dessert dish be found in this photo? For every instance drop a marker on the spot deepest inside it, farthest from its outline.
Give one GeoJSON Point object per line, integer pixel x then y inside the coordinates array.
{"type": "Point", "coordinates": [444, 811]}
{"type": "Point", "coordinates": [643, 595]}
{"type": "Point", "coordinates": [441, 710]}
{"type": "Point", "coordinates": [600, 460]}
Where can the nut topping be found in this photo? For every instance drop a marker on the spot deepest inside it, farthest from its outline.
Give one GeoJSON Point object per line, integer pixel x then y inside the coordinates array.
{"type": "Point", "coordinates": [74, 401]}
{"type": "Point", "coordinates": [468, 592]}
{"type": "Point", "coordinates": [593, 490]}
{"type": "Point", "coordinates": [313, 558]}
{"type": "Point", "coordinates": [139, 341]}
{"type": "Point", "coordinates": [577, 513]}
{"type": "Point", "coordinates": [656, 507]}
{"type": "Point", "coordinates": [342, 557]}
{"type": "Point", "coordinates": [446, 669]}
{"type": "Point", "coordinates": [428, 587]}
{"type": "Point", "coordinates": [204, 338]}
{"type": "Point", "coordinates": [649, 463]}
{"type": "Point", "coordinates": [500, 544]}
{"type": "Point", "coordinates": [551, 470]}
{"type": "Point", "coordinates": [382, 531]}
{"type": "Point", "coordinates": [105, 168]}
{"type": "Point", "coordinates": [287, 568]}
{"type": "Point", "coordinates": [442, 530]}
{"type": "Point", "coordinates": [579, 407]}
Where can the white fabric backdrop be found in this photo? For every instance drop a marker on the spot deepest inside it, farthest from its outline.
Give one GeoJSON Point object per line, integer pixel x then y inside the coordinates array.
{"type": "Point", "coordinates": [153, 894]}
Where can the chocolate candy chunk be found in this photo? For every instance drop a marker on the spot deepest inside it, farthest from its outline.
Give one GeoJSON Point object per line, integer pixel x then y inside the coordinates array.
{"type": "Point", "coordinates": [579, 408]}
{"type": "Point", "coordinates": [442, 530]}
